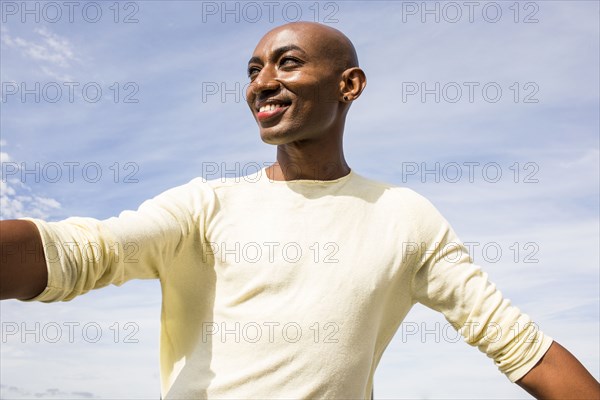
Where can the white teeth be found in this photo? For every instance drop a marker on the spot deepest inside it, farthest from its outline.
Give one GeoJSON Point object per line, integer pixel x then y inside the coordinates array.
{"type": "Point", "coordinates": [269, 107]}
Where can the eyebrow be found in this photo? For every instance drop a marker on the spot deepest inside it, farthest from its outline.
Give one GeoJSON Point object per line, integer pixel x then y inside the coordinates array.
{"type": "Point", "coordinates": [277, 53]}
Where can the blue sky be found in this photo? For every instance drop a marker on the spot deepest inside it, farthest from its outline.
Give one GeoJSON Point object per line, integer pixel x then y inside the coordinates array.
{"type": "Point", "coordinates": [159, 122]}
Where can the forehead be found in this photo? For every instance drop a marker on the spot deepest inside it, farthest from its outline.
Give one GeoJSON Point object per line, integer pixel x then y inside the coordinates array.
{"type": "Point", "coordinates": [303, 38]}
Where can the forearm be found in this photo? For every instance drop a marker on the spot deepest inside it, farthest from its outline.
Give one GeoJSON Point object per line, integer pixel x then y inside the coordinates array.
{"type": "Point", "coordinates": [559, 375]}
{"type": "Point", "coordinates": [23, 272]}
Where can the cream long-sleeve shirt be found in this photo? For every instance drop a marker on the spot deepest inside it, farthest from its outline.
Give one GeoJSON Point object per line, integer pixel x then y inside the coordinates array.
{"type": "Point", "coordinates": [275, 289]}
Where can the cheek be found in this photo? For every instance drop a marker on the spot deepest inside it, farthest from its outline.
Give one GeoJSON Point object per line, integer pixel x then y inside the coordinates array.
{"type": "Point", "coordinates": [250, 96]}
{"type": "Point", "coordinates": [319, 93]}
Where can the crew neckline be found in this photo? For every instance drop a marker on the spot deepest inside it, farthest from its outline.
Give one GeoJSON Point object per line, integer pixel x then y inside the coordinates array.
{"type": "Point", "coordinates": [266, 178]}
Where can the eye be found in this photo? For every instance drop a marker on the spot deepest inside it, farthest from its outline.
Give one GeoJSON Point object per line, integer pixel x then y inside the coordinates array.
{"type": "Point", "coordinates": [252, 71]}
{"type": "Point", "coordinates": [289, 61]}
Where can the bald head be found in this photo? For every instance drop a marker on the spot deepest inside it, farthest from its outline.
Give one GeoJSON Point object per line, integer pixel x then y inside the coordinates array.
{"type": "Point", "coordinates": [328, 42]}
{"type": "Point", "coordinates": [303, 78]}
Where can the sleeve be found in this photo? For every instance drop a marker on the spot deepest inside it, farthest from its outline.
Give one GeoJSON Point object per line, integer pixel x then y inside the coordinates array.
{"type": "Point", "coordinates": [445, 279]}
{"type": "Point", "coordinates": [85, 253]}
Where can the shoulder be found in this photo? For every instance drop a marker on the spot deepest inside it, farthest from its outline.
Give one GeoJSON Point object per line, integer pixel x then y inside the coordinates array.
{"type": "Point", "coordinates": [410, 208]}
{"type": "Point", "coordinates": [190, 199]}
{"type": "Point", "coordinates": [398, 196]}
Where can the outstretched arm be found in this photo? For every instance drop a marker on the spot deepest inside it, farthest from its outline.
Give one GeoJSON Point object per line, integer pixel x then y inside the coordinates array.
{"type": "Point", "coordinates": [559, 375]}
{"type": "Point", "coordinates": [23, 272]}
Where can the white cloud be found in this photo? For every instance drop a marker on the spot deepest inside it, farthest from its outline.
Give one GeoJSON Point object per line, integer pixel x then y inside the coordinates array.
{"type": "Point", "coordinates": [52, 49]}
{"type": "Point", "coordinates": [17, 199]}
{"type": "Point", "coordinates": [588, 159]}
{"type": "Point", "coordinates": [15, 392]}
{"type": "Point", "coordinates": [53, 53]}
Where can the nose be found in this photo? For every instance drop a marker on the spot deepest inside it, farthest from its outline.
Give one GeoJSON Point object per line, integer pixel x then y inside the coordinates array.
{"type": "Point", "coordinates": [264, 81]}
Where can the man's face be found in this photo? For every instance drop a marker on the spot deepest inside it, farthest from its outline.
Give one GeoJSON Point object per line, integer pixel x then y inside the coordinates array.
{"type": "Point", "coordinates": [294, 90]}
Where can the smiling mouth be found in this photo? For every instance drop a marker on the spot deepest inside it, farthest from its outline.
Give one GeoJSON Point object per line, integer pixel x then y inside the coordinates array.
{"type": "Point", "coordinates": [270, 111]}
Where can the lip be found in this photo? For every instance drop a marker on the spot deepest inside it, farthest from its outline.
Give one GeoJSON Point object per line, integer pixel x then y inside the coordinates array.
{"type": "Point", "coordinates": [269, 115]}
{"type": "Point", "coordinates": [271, 100]}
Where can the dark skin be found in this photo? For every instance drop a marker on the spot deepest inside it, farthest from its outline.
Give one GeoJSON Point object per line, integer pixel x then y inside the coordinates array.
{"type": "Point", "coordinates": [23, 272]}
{"type": "Point", "coordinates": [312, 71]}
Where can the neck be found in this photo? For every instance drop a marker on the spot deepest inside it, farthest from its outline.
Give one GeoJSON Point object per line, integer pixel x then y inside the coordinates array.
{"type": "Point", "coordinates": [312, 160]}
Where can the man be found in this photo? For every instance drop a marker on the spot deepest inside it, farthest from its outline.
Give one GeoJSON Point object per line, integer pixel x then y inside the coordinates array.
{"type": "Point", "coordinates": [290, 283]}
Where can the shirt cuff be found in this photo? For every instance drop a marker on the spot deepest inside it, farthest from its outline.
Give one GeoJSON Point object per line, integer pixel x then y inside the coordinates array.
{"type": "Point", "coordinates": [544, 344]}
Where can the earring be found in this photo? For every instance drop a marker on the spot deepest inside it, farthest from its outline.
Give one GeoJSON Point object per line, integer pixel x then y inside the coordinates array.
{"type": "Point", "coordinates": [346, 98]}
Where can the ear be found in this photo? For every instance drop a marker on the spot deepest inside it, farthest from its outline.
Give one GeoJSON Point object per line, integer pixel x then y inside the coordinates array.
{"type": "Point", "coordinates": [352, 84]}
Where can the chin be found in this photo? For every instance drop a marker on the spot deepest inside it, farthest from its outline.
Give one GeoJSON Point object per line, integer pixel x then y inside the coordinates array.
{"type": "Point", "coordinates": [273, 140]}
{"type": "Point", "coordinates": [276, 137]}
